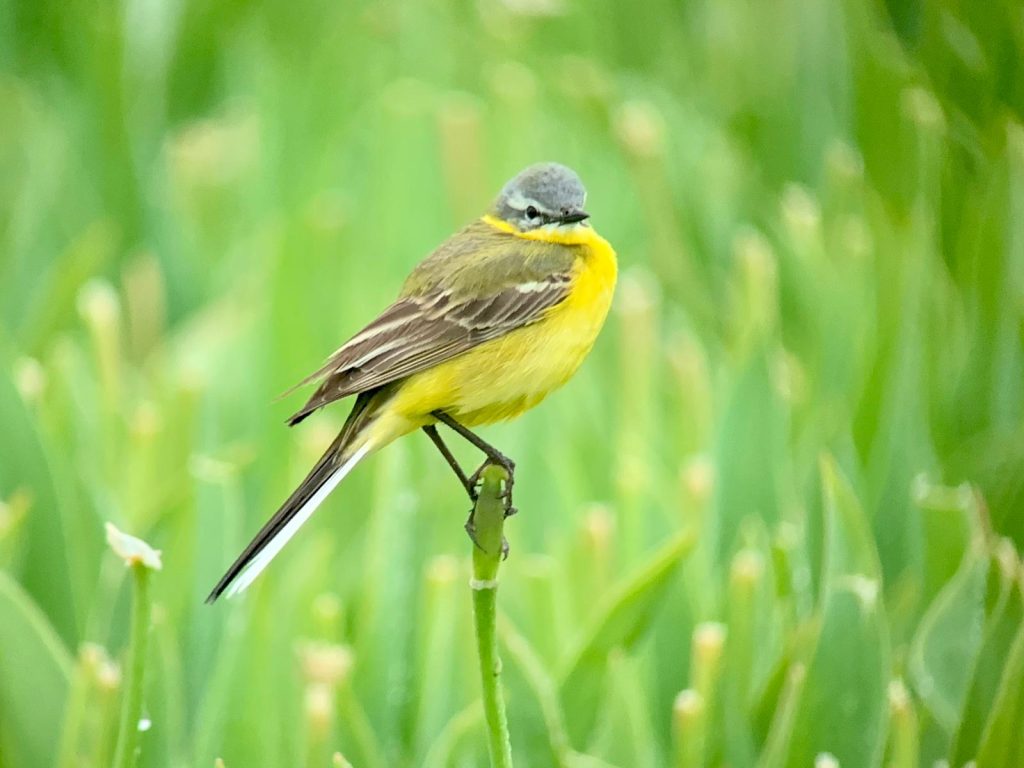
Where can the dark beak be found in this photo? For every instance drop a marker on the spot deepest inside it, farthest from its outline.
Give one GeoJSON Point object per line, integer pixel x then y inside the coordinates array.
{"type": "Point", "coordinates": [574, 216]}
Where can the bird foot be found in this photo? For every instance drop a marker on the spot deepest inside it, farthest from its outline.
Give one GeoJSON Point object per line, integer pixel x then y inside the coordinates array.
{"type": "Point", "coordinates": [473, 486]}
{"type": "Point", "coordinates": [471, 531]}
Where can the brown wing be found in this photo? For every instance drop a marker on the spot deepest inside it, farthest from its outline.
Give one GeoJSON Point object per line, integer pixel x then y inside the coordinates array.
{"type": "Point", "coordinates": [419, 332]}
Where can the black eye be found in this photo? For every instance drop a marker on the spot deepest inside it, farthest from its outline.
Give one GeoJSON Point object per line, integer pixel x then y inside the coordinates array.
{"type": "Point", "coordinates": [532, 213]}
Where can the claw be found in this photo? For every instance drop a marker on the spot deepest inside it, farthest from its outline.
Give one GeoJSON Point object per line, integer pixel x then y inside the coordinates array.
{"type": "Point", "coordinates": [509, 466]}
{"type": "Point", "coordinates": [471, 531]}
{"type": "Point", "coordinates": [472, 488]}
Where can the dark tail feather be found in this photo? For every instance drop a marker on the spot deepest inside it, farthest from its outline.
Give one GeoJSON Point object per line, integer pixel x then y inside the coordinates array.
{"type": "Point", "coordinates": [332, 461]}
{"type": "Point", "coordinates": [327, 392]}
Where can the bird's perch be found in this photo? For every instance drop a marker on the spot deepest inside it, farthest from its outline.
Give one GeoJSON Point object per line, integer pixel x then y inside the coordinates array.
{"type": "Point", "coordinates": [489, 520]}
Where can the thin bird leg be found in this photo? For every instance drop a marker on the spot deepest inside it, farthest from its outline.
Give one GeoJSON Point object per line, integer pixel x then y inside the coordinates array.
{"type": "Point", "coordinates": [468, 484]}
{"type": "Point", "coordinates": [494, 456]}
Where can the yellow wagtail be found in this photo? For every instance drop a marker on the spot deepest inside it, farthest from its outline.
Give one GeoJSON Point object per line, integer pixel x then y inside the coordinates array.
{"type": "Point", "coordinates": [501, 314]}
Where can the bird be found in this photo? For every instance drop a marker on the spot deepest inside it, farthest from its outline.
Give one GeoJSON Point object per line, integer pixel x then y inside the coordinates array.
{"type": "Point", "coordinates": [498, 316]}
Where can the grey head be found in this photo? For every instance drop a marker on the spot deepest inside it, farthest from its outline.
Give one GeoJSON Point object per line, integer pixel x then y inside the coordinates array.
{"type": "Point", "coordinates": [545, 194]}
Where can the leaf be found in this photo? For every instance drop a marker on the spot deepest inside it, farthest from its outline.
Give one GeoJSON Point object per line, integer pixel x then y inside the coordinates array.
{"type": "Point", "coordinates": [947, 641]}
{"type": "Point", "coordinates": [777, 743]}
{"type": "Point", "coordinates": [538, 684]}
{"type": "Point", "coordinates": [947, 517]}
{"type": "Point", "coordinates": [35, 672]}
{"type": "Point", "coordinates": [620, 622]}
{"type": "Point", "coordinates": [23, 464]}
{"type": "Point", "coordinates": [385, 640]}
{"type": "Point", "coordinates": [772, 718]}
{"type": "Point", "coordinates": [435, 668]}
{"type": "Point", "coordinates": [843, 706]}
{"type": "Point", "coordinates": [442, 752]}
{"type": "Point", "coordinates": [1002, 742]}
{"type": "Point", "coordinates": [1000, 631]}
{"type": "Point", "coordinates": [750, 445]}
{"type": "Point", "coordinates": [850, 544]}
{"type": "Point", "coordinates": [626, 731]}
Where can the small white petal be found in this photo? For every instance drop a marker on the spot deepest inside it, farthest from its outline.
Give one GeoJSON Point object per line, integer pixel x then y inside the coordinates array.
{"type": "Point", "coordinates": [132, 550]}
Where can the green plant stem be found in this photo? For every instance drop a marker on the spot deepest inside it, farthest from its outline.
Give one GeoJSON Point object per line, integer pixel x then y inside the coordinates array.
{"type": "Point", "coordinates": [131, 705]}
{"type": "Point", "coordinates": [74, 713]}
{"type": "Point", "coordinates": [489, 521]}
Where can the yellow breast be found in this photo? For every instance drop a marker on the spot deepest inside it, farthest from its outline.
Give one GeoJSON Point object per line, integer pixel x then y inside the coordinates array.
{"type": "Point", "coordinates": [502, 378]}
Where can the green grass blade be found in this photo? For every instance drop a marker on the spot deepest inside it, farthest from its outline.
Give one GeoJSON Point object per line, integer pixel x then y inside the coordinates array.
{"type": "Point", "coordinates": [35, 676]}
{"type": "Point", "coordinates": [620, 622]}
{"type": "Point", "coordinates": [25, 465]}
{"type": "Point", "coordinates": [1002, 741]}
{"type": "Point", "coordinates": [843, 708]}
{"type": "Point", "coordinates": [948, 639]}
{"type": "Point", "coordinates": [1001, 629]}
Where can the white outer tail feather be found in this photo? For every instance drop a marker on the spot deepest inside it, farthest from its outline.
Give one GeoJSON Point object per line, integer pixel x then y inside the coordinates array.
{"type": "Point", "coordinates": [276, 544]}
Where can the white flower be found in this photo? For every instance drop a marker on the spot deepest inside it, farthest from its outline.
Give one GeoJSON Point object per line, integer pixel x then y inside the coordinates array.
{"type": "Point", "coordinates": [132, 550]}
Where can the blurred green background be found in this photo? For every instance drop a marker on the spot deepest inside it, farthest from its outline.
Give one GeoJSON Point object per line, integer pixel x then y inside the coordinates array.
{"type": "Point", "coordinates": [776, 520]}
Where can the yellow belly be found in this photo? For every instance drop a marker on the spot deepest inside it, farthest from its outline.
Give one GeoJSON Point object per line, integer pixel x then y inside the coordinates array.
{"type": "Point", "coordinates": [502, 378]}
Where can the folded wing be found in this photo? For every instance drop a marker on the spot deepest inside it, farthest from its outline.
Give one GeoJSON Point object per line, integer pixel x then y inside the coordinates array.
{"type": "Point", "coordinates": [419, 332]}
